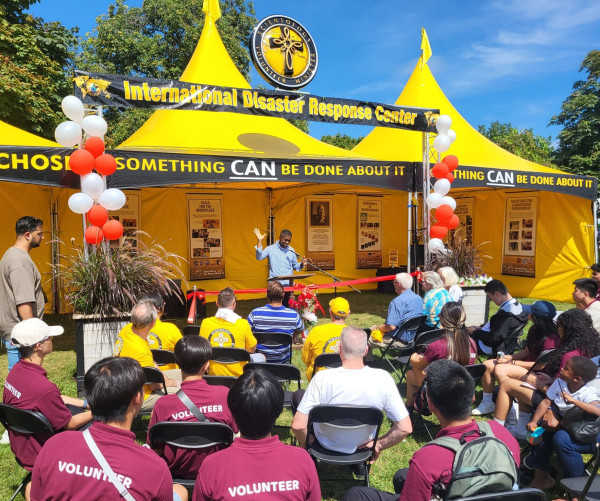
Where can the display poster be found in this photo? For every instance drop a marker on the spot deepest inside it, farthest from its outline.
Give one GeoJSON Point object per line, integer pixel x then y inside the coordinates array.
{"type": "Point", "coordinates": [464, 211]}
{"type": "Point", "coordinates": [205, 227]}
{"type": "Point", "coordinates": [520, 224]}
{"type": "Point", "coordinates": [129, 216]}
{"type": "Point", "coordinates": [393, 258]}
{"type": "Point", "coordinates": [369, 232]}
{"type": "Point", "coordinates": [319, 232]}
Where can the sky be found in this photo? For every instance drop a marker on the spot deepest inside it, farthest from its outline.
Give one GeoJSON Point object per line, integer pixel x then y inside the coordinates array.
{"type": "Point", "coordinates": [509, 61]}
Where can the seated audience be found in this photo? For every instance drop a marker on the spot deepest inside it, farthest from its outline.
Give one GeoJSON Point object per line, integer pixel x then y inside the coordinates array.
{"type": "Point", "coordinates": [435, 297]}
{"type": "Point", "coordinates": [509, 317]}
{"type": "Point", "coordinates": [66, 468]}
{"type": "Point", "coordinates": [325, 338]}
{"type": "Point", "coordinates": [228, 330]}
{"type": "Point", "coordinates": [192, 354]}
{"type": "Point", "coordinates": [450, 393]}
{"type": "Point", "coordinates": [164, 335]}
{"type": "Point", "coordinates": [596, 277]}
{"type": "Point", "coordinates": [450, 280]}
{"type": "Point", "coordinates": [274, 317]}
{"type": "Point", "coordinates": [584, 296]}
{"type": "Point", "coordinates": [257, 465]}
{"type": "Point", "coordinates": [132, 342]}
{"type": "Point", "coordinates": [542, 336]}
{"type": "Point", "coordinates": [455, 344]}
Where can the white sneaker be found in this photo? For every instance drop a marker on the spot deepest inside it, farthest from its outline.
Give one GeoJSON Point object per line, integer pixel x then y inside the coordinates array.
{"type": "Point", "coordinates": [512, 417]}
{"type": "Point", "coordinates": [4, 439]}
{"type": "Point", "coordinates": [484, 408]}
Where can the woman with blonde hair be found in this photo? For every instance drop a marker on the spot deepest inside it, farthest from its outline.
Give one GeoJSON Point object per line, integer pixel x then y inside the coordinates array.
{"type": "Point", "coordinates": [455, 344]}
{"type": "Point", "coordinates": [450, 280]}
{"type": "Point", "coordinates": [435, 297]}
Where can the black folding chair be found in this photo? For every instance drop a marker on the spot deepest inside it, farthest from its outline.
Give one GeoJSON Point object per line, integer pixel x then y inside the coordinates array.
{"type": "Point", "coordinates": [326, 361]}
{"type": "Point", "coordinates": [190, 435]}
{"type": "Point", "coordinates": [540, 361]}
{"type": "Point", "coordinates": [476, 371]}
{"type": "Point", "coordinates": [343, 417]}
{"type": "Point", "coordinates": [228, 356]}
{"type": "Point", "coordinates": [163, 357]}
{"type": "Point", "coordinates": [26, 422]}
{"type": "Point", "coordinates": [407, 328]}
{"type": "Point", "coordinates": [191, 330]}
{"type": "Point", "coordinates": [284, 374]}
{"type": "Point", "coordinates": [420, 344]}
{"type": "Point", "coordinates": [153, 376]}
{"type": "Point", "coordinates": [219, 380]}
{"type": "Point", "coordinates": [518, 495]}
{"type": "Point", "coordinates": [275, 340]}
{"type": "Point", "coordinates": [585, 488]}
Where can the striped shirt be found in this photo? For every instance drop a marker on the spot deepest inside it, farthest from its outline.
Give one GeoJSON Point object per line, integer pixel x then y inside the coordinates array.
{"type": "Point", "coordinates": [274, 319]}
{"type": "Point", "coordinates": [282, 260]}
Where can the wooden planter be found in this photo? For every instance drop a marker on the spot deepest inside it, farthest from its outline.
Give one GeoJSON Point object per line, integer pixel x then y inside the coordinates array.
{"type": "Point", "coordinates": [476, 304]}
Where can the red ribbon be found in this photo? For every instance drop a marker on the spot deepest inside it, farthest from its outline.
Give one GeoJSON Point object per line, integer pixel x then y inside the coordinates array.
{"type": "Point", "coordinates": [194, 295]}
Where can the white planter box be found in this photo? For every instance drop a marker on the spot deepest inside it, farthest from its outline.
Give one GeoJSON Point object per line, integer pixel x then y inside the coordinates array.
{"type": "Point", "coordinates": [476, 304]}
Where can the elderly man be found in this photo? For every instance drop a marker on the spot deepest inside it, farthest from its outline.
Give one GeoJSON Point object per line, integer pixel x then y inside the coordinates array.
{"type": "Point", "coordinates": [353, 384]}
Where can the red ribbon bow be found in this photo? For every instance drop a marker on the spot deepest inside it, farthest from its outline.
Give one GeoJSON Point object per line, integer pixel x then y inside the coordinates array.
{"type": "Point", "coordinates": [194, 295]}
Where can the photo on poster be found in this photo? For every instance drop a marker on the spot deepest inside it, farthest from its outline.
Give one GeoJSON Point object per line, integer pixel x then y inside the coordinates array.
{"type": "Point", "coordinates": [205, 237]}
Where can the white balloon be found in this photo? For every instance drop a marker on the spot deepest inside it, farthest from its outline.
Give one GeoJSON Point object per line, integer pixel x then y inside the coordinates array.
{"type": "Point", "coordinates": [441, 187]}
{"type": "Point", "coordinates": [92, 185]}
{"type": "Point", "coordinates": [443, 123]}
{"type": "Point", "coordinates": [434, 200]}
{"type": "Point", "coordinates": [449, 201]}
{"type": "Point", "coordinates": [112, 199]}
{"type": "Point", "coordinates": [94, 125]}
{"type": "Point", "coordinates": [80, 203]}
{"type": "Point", "coordinates": [73, 108]}
{"type": "Point", "coordinates": [452, 135]}
{"type": "Point", "coordinates": [435, 245]}
{"type": "Point", "coordinates": [441, 143]}
{"type": "Point", "coordinates": [68, 134]}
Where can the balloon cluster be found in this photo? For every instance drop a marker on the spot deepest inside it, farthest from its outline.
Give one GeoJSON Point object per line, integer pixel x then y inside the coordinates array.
{"type": "Point", "coordinates": [438, 199]}
{"type": "Point", "coordinates": [94, 200]}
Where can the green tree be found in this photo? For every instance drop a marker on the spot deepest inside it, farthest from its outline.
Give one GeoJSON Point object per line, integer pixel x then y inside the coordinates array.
{"type": "Point", "coordinates": [579, 142]}
{"type": "Point", "coordinates": [523, 143]}
{"type": "Point", "coordinates": [342, 140]}
{"type": "Point", "coordinates": [35, 61]}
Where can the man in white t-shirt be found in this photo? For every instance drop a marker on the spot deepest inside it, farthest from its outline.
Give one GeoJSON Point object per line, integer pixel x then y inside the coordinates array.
{"type": "Point", "coordinates": [353, 384]}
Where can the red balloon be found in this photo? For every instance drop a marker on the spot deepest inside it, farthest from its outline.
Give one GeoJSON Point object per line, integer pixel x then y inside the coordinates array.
{"type": "Point", "coordinates": [438, 231]}
{"type": "Point", "coordinates": [112, 229]}
{"type": "Point", "coordinates": [93, 235]}
{"type": "Point", "coordinates": [81, 162]}
{"type": "Point", "coordinates": [440, 170]}
{"type": "Point", "coordinates": [95, 146]}
{"type": "Point", "coordinates": [444, 213]}
{"type": "Point", "coordinates": [451, 161]}
{"type": "Point", "coordinates": [453, 223]}
{"type": "Point", "coordinates": [450, 177]}
{"type": "Point", "coordinates": [106, 164]}
{"type": "Point", "coordinates": [97, 215]}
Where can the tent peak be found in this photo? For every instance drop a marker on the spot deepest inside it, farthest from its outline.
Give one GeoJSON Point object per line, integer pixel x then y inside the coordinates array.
{"type": "Point", "coordinates": [211, 9]}
{"type": "Point", "coordinates": [426, 51]}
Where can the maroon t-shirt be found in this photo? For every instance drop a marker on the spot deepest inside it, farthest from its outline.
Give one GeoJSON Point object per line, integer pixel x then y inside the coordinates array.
{"type": "Point", "coordinates": [262, 469]}
{"type": "Point", "coordinates": [67, 469]}
{"type": "Point", "coordinates": [433, 463]}
{"type": "Point", "coordinates": [27, 387]}
{"type": "Point", "coordinates": [551, 342]}
{"type": "Point", "coordinates": [438, 350]}
{"type": "Point", "coordinates": [212, 402]}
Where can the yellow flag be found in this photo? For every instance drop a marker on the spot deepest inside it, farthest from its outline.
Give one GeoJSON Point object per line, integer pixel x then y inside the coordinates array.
{"type": "Point", "coordinates": [425, 47]}
{"type": "Point", "coordinates": [212, 7]}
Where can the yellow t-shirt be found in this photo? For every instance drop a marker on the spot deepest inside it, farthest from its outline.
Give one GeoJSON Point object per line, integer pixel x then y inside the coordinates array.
{"type": "Point", "coordinates": [164, 336]}
{"type": "Point", "coordinates": [129, 344]}
{"type": "Point", "coordinates": [321, 339]}
{"type": "Point", "coordinates": [224, 334]}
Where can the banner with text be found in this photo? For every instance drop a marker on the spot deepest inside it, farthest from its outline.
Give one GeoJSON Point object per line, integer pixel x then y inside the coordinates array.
{"type": "Point", "coordinates": [520, 223]}
{"type": "Point", "coordinates": [205, 227]}
{"type": "Point", "coordinates": [369, 232]}
{"type": "Point", "coordinates": [99, 89]}
{"type": "Point", "coordinates": [319, 232]}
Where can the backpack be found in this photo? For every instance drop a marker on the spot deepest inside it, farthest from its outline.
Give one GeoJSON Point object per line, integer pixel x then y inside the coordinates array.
{"type": "Point", "coordinates": [420, 404]}
{"type": "Point", "coordinates": [483, 465]}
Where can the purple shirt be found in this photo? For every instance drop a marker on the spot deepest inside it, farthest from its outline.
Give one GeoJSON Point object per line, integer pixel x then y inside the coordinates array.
{"type": "Point", "coordinates": [439, 350]}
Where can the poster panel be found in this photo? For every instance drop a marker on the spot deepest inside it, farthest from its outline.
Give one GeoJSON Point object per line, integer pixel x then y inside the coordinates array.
{"type": "Point", "coordinates": [129, 216]}
{"type": "Point", "coordinates": [369, 232]}
{"type": "Point", "coordinates": [205, 233]}
{"type": "Point", "coordinates": [520, 225]}
{"type": "Point", "coordinates": [464, 211]}
{"type": "Point", "coordinates": [319, 232]}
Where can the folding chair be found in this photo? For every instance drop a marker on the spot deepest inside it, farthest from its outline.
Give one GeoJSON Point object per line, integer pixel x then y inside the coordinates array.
{"type": "Point", "coordinates": [27, 422]}
{"type": "Point", "coordinates": [227, 356]}
{"type": "Point", "coordinates": [343, 417]}
{"type": "Point", "coordinates": [275, 340]}
{"type": "Point", "coordinates": [540, 361]}
{"type": "Point", "coordinates": [585, 488]}
{"type": "Point", "coordinates": [153, 375]}
{"type": "Point", "coordinates": [163, 357]}
{"type": "Point", "coordinates": [476, 371]}
{"type": "Point", "coordinates": [190, 435]}
{"type": "Point", "coordinates": [518, 495]}
{"type": "Point", "coordinates": [284, 374]}
{"type": "Point", "coordinates": [219, 380]}
{"type": "Point", "coordinates": [326, 361]}
{"type": "Point", "coordinates": [191, 330]}
{"type": "Point", "coordinates": [402, 358]}
{"type": "Point", "coordinates": [408, 328]}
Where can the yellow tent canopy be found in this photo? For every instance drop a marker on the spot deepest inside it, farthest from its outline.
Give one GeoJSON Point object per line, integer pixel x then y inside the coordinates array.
{"type": "Point", "coordinates": [14, 136]}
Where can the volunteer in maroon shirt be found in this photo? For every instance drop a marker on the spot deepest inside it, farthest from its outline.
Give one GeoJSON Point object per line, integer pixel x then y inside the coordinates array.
{"type": "Point", "coordinates": [257, 465]}
{"type": "Point", "coordinates": [192, 354]}
{"type": "Point", "coordinates": [450, 393]}
{"type": "Point", "coordinates": [66, 468]}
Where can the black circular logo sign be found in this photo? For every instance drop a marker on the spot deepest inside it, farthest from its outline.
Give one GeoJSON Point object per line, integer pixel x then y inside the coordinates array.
{"type": "Point", "coordinates": [283, 52]}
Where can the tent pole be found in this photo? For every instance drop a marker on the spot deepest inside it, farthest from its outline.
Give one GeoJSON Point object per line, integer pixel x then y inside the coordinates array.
{"type": "Point", "coordinates": [271, 217]}
{"type": "Point", "coordinates": [55, 250]}
{"type": "Point", "coordinates": [595, 209]}
{"type": "Point", "coordinates": [409, 239]}
{"type": "Point", "coordinates": [426, 191]}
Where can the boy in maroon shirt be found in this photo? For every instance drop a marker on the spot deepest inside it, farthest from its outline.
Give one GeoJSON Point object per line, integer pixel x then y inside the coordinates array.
{"type": "Point", "coordinates": [257, 465]}
{"type": "Point", "coordinates": [192, 354]}
{"type": "Point", "coordinates": [66, 468]}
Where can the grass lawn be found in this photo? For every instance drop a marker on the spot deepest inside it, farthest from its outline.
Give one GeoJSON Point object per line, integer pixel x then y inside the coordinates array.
{"type": "Point", "coordinates": [368, 308]}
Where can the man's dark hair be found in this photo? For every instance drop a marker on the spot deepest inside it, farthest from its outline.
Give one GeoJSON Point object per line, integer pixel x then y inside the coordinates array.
{"type": "Point", "coordinates": [26, 351]}
{"type": "Point", "coordinates": [226, 297]}
{"type": "Point", "coordinates": [587, 285]}
{"type": "Point", "coordinates": [110, 385]}
{"type": "Point", "coordinates": [494, 286]}
{"type": "Point", "coordinates": [156, 299]}
{"type": "Point", "coordinates": [255, 401]}
{"type": "Point", "coordinates": [450, 389]}
{"type": "Point", "coordinates": [275, 292]}
{"type": "Point", "coordinates": [583, 367]}
{"type": "Point", "coordinates": [27, 224]}
{"type": "Point", "coordinates": [285, 233]}
{"type": "Point", "coordinates": [191, 353]}
{"type": "Point", "coordinates": [595, 267]}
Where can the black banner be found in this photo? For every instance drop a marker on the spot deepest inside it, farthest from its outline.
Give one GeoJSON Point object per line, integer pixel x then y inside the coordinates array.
{"type": "Point", "coordinates": [134, 92]}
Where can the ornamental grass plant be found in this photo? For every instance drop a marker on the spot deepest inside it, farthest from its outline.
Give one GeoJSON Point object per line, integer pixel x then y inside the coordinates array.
{"type": "Point", "coordinates": [468, 260]}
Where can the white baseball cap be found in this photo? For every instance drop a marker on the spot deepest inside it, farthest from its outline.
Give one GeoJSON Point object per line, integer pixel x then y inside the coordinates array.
{"type": "Point", "coordinates": [32, 331]}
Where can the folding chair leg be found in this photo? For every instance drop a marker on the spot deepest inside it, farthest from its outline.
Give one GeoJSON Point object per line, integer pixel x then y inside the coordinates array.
{"type": "Point", "coordinates": [424, 423]}
{"type": "Point", "coordinates": [22, 486]}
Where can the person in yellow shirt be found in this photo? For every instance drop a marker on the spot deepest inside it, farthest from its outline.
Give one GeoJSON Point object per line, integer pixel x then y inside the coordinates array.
{"type": "Point", "coordinates": [164, 335]}
{"type": "Point", "coordinates": [132, 342]}
{"type": "Point", "coordinates": [325, 338]}
{"type": "Point", "coordinates": [228, 330]}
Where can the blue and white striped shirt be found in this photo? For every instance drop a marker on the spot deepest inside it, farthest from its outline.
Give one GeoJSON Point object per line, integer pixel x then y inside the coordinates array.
{"type": "Point", "coordinates": [282, 261]}
{"type": "Point", "coordinates": [274, 319]}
